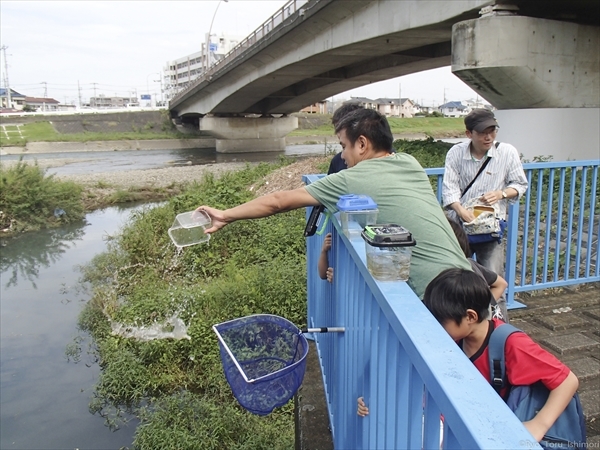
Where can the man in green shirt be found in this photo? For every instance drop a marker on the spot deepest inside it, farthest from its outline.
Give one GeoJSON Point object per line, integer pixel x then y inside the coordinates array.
{"type": "Point", "coordinates": [395, 181]}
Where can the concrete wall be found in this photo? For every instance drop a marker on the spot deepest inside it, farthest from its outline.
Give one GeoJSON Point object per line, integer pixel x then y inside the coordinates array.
{"type": "Point", "coordinates": [563, 133]}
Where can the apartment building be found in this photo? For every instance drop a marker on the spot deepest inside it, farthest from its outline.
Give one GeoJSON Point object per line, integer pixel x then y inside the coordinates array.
{"type": "Point", "coordinates": [181, 72]}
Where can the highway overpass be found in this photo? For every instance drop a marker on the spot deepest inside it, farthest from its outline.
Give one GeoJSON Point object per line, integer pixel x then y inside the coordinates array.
{"type": "Point", "coordinates": [515, 53]}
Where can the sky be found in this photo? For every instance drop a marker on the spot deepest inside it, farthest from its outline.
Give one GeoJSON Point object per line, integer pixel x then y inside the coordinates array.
{"type": "Point", "coordinates": [66, 48]}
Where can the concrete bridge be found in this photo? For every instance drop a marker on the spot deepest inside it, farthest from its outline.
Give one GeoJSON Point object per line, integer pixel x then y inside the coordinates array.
{"type": "Point", "coordinates": [516, 53]}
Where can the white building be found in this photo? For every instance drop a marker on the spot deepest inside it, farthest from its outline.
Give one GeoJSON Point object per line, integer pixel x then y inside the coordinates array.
{"type": "Point", "coordinates": [181, 72]}
{"type": "Point", "coordinates": [454, 109]}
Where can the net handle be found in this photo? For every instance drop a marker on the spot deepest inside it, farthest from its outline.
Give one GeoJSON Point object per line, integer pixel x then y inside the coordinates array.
{"type": "Point", "coordinates": [323, 330]}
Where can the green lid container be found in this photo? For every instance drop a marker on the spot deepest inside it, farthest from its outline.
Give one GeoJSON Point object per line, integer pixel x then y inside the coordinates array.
{"type": "Point", "coordinates": [388, 235]}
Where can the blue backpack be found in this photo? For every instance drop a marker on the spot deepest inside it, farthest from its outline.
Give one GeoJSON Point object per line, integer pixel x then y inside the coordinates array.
{"type": "Point", "coordinates": [568, 432]}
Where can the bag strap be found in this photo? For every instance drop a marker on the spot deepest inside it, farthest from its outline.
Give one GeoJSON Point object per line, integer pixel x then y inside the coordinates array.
{"type": "Point", "coordinates": [485, 163]}
{"type": "Point", "coordinates": [496, 355]}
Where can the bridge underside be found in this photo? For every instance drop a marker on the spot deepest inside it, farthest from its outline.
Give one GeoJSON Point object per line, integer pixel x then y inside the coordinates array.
{"type": "Point", "coordinates": [335, 46]}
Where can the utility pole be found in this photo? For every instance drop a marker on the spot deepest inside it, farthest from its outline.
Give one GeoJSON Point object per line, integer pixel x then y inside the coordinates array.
{"type": "Point", "coordinates": [94, 88]}
{"type": "Point", "coordinates": [399, 99]}
{"type": "Point", "coordinates": [79, 91]}
{"type": "Point", "coordinates": [45, 89]}
{"type": "Point", "coordinates": [6, 85]}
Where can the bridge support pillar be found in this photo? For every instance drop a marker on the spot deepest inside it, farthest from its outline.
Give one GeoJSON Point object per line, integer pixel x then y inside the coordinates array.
{"type": "Point", "coordinates": [518, 62]}
{"type": "Point", "coordinates": [249, 134]}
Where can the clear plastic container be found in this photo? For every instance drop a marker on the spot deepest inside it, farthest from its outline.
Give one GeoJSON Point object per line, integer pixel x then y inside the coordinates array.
{"type": "Point", "coordinates": [188, 228]}
{"type": "Point", "coordinates": [389, 249]}
{"type": "Point", "coordinates": [356, 212]}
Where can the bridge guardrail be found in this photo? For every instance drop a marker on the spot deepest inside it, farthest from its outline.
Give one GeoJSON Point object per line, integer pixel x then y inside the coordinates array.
{"type": "Point", "coordinates": [262, 31]}
{"type": "Point", "coordinates": [400, 359]}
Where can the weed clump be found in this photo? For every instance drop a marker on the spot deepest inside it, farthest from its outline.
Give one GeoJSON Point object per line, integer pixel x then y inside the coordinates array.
{"type": "Point", "coordinates": [177, 387]}
{"type": "Point", "coordinates": [30, 199]}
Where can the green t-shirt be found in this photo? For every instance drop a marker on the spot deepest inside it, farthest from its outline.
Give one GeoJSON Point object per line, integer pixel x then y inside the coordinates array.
{"type": "Point", "coordinates": [401, 189]}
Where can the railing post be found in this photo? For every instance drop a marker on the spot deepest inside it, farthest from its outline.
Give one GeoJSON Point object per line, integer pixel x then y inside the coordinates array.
{"type": "Point", "coordinates": [511, 252]}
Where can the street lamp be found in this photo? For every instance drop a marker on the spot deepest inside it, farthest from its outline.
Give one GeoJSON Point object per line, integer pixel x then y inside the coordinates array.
{"type": "Point", "coordinates": [206, 49]}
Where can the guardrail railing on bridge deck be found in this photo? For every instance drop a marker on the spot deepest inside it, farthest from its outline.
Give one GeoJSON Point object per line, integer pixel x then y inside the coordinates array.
{"type": "Point", "coordinates": [558, 243]}
{"type": "Point", "coordinates": [557, 224]}
{"type": "Point", "coordinates": [395, 355]}
{"type": "Point", "coordinates": [261, 32]}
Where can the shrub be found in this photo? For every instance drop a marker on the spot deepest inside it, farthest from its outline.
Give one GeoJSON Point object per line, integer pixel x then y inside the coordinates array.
{"type": "Point", "coordinates": [29, 199]}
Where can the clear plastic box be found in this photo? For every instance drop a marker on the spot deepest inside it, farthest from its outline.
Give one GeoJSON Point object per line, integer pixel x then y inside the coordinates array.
{"type": "Point", "coordinates": [356, 212]}
{"type": "Point", "coordinates": [389, 249]}
{"type": "Point", "coordinates": [188, 228]}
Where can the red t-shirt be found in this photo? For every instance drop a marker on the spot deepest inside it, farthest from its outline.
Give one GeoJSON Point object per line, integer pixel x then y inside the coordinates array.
{"type": "Point", "coordinates": [525, 361]}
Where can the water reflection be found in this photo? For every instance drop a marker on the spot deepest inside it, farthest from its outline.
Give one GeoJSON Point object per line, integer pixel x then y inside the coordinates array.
{"type": "Point", "coordinates": [25, 255]}
{"type": "Point", "coordinates": [45, 399]}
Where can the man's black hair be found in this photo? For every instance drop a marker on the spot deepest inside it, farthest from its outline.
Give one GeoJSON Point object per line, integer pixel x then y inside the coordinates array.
{"type": "Point", "coordinates": [370, 124]}
{"type": "Point", "coordinates": [453, 291]}
{"type": "Point", "coordinates": [461, 236]}
{"type": "Point", "coordinates": [343, 110]}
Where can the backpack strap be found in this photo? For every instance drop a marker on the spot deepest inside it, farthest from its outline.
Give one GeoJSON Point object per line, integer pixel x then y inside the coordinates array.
{"type": "Point", "coordinates": [496, 355]}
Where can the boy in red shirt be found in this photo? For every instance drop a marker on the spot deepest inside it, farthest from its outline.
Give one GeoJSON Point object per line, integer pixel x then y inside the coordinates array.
{"type": "Point", "coordinates": [459, 300]}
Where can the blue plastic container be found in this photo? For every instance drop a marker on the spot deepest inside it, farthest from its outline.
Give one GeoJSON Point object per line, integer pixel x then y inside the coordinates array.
{"type": "Point", "coordinates": [356, 212]}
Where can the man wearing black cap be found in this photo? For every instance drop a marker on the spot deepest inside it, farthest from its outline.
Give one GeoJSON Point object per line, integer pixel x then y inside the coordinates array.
{"type": "Point", "coordinates": [502, 181]}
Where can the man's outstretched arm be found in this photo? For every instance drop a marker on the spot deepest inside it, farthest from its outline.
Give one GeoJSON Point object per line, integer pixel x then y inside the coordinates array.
{"type": "Point", "coordinates": [264, 206]}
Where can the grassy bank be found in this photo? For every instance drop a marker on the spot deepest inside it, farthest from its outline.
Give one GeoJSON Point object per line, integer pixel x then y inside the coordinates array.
{"type": "Point", "coordinates": [177, 387]}
{"type": "Point", "coordinates": [431, 126]}
{"type": "Point", "coordinates": [45, 132]}
{"type": "Point", "coordinates": [310, 125]}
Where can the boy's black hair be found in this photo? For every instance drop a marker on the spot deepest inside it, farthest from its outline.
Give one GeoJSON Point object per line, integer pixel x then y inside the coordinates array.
{"type": "Point", "coordinates": [453, 291]}
{"type": "Point", "coordinates": [370, 124]}
{"type": "Point", "coordinates": [461, 236]}
{"type": "Point", "coordinates": [343, 110]}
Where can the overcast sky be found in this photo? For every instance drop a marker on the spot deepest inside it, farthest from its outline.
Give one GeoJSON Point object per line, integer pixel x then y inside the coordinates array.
{"type": "Point", "coordinates": [118, 47]}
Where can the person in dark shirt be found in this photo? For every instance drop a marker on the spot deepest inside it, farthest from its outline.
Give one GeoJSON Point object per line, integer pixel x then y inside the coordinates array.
{"type": "Point", "coordinates": [336, 165]}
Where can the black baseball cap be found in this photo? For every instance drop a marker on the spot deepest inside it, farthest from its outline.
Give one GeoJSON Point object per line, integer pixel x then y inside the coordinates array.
{"type": "Point", "coordinates": [479, 119]}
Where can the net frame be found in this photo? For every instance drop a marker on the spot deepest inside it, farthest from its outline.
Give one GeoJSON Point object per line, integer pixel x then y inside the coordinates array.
{"type": "Point", "coordinates": [251, 390]}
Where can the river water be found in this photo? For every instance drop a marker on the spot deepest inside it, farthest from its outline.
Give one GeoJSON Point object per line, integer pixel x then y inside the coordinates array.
{"type": "Point", "coordinates": [44, 398]}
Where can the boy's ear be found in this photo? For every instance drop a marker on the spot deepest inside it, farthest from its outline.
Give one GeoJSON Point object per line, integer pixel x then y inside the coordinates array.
{"type": "Point", "coordinates": [472, 316]}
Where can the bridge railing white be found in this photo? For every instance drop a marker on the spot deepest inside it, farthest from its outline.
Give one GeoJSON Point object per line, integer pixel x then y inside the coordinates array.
{"type": "Point", "coordinates": [277, 19]}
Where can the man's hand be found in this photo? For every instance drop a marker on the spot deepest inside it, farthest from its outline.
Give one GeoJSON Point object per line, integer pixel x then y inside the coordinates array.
{"type": "Point", "coordinates": [217, 217]}
{"type": "Point", "coordinates": [489, 198]}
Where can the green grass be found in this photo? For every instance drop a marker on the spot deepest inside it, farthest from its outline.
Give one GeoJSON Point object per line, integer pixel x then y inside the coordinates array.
{"type": "Point", "coordinates": [29, 199]}
{"type": "Point", "coordinates": [45, 132]}
{"type": "Point", "coordinates": [431, 126]}
{"type": "Point", "coordinates": [177, 387]}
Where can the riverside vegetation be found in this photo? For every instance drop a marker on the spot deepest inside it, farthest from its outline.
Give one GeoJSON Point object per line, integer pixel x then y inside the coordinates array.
{"type": "Point", "coordinates": [176, 387]}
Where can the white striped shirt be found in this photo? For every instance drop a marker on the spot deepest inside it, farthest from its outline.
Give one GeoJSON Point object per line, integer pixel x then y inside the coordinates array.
{"type": "Point", "coordinates": [503, 171]}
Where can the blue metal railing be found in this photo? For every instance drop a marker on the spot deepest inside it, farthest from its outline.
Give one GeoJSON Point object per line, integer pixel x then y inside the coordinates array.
{"type": "Point", "coordinates": [553, 231]}
{"type": "Point", "coordinates": [395, 355]}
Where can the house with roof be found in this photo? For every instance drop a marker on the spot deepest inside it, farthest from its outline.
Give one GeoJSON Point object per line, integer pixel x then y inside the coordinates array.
{"type": "Point", "coordinates": [394, 107]}
{"type": "Point", "coordinates": [16, 99]}
{"type": "Point", "coordinates": [41, 103]}
{"type": "Point", "coordinates": [454, 109]}
{"type": "Point", "coordinates": [366, 103]}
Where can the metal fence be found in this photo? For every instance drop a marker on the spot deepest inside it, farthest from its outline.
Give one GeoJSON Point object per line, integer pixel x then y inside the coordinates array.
{"type": "Point", "coordinates": [395, 355]}
{"type": "Point", "coordinates": [553, 231]}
